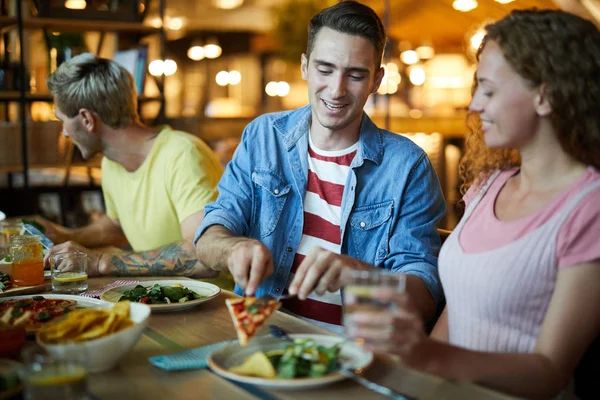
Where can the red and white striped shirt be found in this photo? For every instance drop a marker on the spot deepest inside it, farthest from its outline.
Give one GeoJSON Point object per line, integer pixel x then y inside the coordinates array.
{"type": "Point", "coordinates": [327, 174]}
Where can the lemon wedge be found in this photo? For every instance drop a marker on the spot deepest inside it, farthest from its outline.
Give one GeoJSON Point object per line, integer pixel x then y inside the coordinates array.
{"type": "Point", "coordinates": [42, 379]}
{"type": "Point", "coordinates": [70, 277]}
{"type": "Point", "coordinates": [257, 364]}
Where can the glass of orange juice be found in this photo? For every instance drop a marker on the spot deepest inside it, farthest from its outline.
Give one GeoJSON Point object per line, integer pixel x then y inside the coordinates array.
{"type": "Point", "coordinates": [69, 272]}
{"type": "Point", "coordinates": [27, 260]}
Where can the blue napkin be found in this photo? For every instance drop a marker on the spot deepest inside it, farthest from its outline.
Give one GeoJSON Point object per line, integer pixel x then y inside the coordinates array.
{"type": "Point", "coordinates": [187, 359]}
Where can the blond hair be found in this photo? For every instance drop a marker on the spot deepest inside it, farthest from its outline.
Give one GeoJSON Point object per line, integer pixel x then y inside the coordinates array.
{"type": "Point", "coordinates": [96, 84]}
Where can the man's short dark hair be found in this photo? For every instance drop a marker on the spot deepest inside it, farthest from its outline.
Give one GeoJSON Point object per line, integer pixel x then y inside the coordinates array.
{"type": "Point", "coordinates": [352, 18]}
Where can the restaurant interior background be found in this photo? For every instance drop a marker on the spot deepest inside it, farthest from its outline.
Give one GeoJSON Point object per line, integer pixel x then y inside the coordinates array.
{"type": "Point", "coordinates": [210, 66]}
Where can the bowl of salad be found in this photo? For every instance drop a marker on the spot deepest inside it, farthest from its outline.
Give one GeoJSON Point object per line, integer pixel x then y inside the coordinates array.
{"type": "Point", "coordinates": [164, 295]}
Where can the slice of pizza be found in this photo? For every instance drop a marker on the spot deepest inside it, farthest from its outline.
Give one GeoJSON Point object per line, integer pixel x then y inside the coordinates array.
{"type": "Point", "coordinates": [248, 315]}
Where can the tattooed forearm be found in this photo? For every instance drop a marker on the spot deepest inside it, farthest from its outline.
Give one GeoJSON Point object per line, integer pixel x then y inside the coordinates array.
{"type": "Point", "coordinates": [177, 259]}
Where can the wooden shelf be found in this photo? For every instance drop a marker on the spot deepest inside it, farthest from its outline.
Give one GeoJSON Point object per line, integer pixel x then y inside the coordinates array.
{"type": "Point", "coordinates": [13, 95]}
{"type": "Point", "coordinates": [71, 25]}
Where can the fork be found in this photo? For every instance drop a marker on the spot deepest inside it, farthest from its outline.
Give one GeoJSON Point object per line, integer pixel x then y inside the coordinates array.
{"type": "Point", "coordinates": [349, 372]}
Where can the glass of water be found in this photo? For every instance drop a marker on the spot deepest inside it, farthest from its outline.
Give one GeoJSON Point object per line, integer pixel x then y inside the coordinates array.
{"type": "Point", "coordinates": [51, 377]}
{"type": "Point", "coordinates": [373, 291]}
{"type": "Point", "coordinates": [69, 272]}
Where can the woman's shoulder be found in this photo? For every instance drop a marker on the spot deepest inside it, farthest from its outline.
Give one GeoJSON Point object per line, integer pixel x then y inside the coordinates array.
{"type": "Point", "coordinates": [494, 178]}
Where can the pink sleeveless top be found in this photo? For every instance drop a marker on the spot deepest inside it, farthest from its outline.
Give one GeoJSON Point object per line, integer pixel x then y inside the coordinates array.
{"type": "Point", "coordinates": [497, 299]}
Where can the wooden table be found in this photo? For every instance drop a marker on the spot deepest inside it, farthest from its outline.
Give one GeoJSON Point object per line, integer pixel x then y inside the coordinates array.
{"type": "Point", "coordinates": [209, 322]}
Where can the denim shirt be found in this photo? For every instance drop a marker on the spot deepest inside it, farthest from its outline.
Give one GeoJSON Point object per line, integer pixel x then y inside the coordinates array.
{"type": "Point", "coordinates": [391, 205]}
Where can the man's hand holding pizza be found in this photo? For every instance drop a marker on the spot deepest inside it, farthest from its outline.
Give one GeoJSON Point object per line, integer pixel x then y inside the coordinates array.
{"type": "Point", "coordinates": [250, 262]}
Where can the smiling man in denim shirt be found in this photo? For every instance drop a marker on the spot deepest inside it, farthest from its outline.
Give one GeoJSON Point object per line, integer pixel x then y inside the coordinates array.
{"type": "Point", "coordinates": [314, 193]}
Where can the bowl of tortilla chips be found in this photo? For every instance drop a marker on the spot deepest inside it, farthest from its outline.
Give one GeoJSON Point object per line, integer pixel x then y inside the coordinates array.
{"type": "Point", "coordinates": [104, 335]}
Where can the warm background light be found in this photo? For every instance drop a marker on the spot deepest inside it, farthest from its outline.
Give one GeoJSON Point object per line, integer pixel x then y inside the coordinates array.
{"type": "Point", "coordinates": [75, 4]}
{"type": "Point", "coordinates": [212, 50]}
{"type": "Point", "coordinates": [417, 75]}
{"type": "Point", "coordinates": [409, 57]}
{"type": "Point", "coordinates": [425, 52]}
{"type": "Point", "coordinates": [196, 53]}
{"type": "Point", "coordinates": [170, 67]}
{"type": "Point", "coordinates": [464, 5]}
{"type": "Point", "coordinates": [476, 39]}
{"type": "Point", "coordinates": [228, 4]}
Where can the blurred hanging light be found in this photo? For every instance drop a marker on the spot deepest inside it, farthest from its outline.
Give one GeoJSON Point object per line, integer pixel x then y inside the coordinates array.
{"type": "Point", "coordinates": [235, 77]}
{"type": "Point", "coordinates": [409, 57]}
{"type": "Point", "coordinates": [212, 49]}
{"type": "Point", "coordinates": [280, 89]}
{"type": "Point", "coordinates": [196, 53]}
{"type": "Point", "coordinates": [228, 4]}
{"type": "Point", "coordinates": [155, 22]}
{"type": "Point", "coordinates": [222, 78]}
{"type": "Point", "coordinates": [156, 68]}
{"type": "Point", "coordinates": [160, 67]}
{"type": "Point", "coordinates": [283, 88]}
{"type": "Point", "coordinates": [175, 23]}
{"type": "Point", "coordinates": [464, 5]}
{"type": "Point", "coordinates": [417, 75]}
{"type": "Point", "coordinates": [75, 4]}
{"type": "Point", "coordinates": [504, 1]}
{"type": "Point", "coordinates": [425, 52]}
{"type": "Point", "coordinates": [170, 67]}
{"type": "Point", "coordinates": [271, 89]}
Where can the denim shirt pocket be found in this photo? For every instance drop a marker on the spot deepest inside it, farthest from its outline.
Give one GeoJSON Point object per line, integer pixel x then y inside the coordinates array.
{"type": "Point", "coordinates": [370, 231]}
{"type": "Point", "coordinates": [270, 193]}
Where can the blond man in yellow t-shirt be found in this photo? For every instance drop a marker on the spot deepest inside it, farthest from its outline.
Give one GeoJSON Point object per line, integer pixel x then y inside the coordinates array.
{"type": "Point", "coordinates": [156, 182]}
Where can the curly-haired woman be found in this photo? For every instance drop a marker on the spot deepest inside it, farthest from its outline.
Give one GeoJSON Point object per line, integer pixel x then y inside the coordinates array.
{"type": "Point", "coordinates": [521, 271]}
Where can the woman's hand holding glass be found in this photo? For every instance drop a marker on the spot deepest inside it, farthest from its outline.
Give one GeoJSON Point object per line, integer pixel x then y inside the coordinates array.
{"type": "Point", "coordinates": [398, 329]}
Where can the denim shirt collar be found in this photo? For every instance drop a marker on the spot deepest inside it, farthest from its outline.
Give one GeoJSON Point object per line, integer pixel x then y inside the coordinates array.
{"type": "Point", "coordinates": [295, 125]}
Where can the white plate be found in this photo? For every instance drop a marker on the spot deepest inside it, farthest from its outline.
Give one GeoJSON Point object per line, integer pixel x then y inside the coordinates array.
{"type": "Point", "coordinates": [233, 354]}
{"type": "Point", "coordinates": [202, 288]}
{"type": "Point", "coordinates": [85, 302]}
{"type": "Point", "coordinates": [2, 216]}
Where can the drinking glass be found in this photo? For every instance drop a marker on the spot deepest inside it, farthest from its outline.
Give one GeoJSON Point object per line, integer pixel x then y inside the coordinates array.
{"type": "Point", "coordinates": [8, 229]}
{"type": "Point", "coordinates": [372, 290]}
{"type": "Point", "coordinates": [51, 377]}
{"type": "Point", "coordinates": [69, 272]}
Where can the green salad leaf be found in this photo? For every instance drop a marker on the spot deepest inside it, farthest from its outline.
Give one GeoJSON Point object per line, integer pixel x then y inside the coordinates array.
{"type": "Point", "coordinates": [157, 294]}
{"type": "Point", "coordinates": [303, 358]}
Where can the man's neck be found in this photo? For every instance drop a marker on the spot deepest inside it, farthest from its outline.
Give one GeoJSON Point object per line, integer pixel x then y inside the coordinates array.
{"type": "Point", "coordinates": [129, 146]}
{"type": "Point", "coordinates": [332, 140]}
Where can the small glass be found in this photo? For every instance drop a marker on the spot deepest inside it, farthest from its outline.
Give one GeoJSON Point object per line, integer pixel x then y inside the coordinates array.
{"type": "Point", "coordinates": [27, 256]}
{"type": "Point", "coordinates": [8, 229]}
{"type": "Point", "coordinates": [69, 272]}
{"type": "Point", "coordinates": [51, 377]}
{"type": "Point", "coordinates": [371, 291]}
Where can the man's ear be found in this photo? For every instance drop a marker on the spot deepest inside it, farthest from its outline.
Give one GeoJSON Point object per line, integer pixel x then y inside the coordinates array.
{"type": "Point", "coordinates": [542, 103]}
{"type": "Point", "coordinates": [304, 66]}
{"type": "Point", "coordinates": [378, 77]}
{"type": "Point", "coordinates": [88, 120]}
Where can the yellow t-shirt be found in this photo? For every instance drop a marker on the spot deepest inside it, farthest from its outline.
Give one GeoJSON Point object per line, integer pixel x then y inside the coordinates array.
{"type": "Point", "coordinates": [177, 179]}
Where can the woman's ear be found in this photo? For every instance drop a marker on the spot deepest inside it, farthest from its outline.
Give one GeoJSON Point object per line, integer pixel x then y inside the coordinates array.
{"type": "Point", "coordinates": [542, 103]}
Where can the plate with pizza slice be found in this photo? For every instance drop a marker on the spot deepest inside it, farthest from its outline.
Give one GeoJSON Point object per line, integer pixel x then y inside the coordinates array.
{"type": "Point", "coordinates": [33, 312]}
